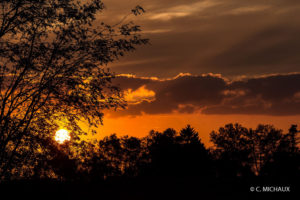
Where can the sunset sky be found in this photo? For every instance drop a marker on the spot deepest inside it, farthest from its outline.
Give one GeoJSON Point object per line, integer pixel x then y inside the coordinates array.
{"type": "Point", "coordinates": [210, 62]}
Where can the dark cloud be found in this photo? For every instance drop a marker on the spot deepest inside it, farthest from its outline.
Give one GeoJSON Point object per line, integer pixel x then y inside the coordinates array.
{"type": "Point", "coordinates": [235, 38]}
{"type": "Point", "coordinates": [212, 94]}
{"type": "Point", "coordinates": [272, 95]}
{"type": "Point", "coordinates": [184, 93]}
{"type": "Point", "coordinates": [232, 37]}
{"type": "Point", "coordinates": [130, 82]}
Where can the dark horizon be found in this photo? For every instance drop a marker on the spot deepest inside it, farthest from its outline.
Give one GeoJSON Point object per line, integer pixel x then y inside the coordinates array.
{"type": "Point", "coordinates": [242, 163]}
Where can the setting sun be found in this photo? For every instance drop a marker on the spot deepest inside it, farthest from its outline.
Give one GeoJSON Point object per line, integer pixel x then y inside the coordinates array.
{"type": "Point", "coordinates": [62, 135]}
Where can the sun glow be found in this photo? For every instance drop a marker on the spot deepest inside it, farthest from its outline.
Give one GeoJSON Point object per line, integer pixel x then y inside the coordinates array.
{"type": "Point", "coordinates": [62, 135]}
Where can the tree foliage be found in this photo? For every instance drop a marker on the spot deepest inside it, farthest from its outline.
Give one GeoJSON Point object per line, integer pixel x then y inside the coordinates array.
{"type": "Point", "coordinates": [237, 153]}
{"type": "Point", "coordinates": [241, 151]}
{"type": "Point", "coordinates": [169, 162]}
{"type": "Point", "coordinates": [53, 55]}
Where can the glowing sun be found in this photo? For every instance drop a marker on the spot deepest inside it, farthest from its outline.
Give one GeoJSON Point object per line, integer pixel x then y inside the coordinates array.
{"type": "Point", "coordinates": [62, 135]}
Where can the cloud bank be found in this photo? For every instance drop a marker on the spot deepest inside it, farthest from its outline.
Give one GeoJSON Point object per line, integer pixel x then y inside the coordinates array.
{"type": "Point", "coordinates": [211, 94]}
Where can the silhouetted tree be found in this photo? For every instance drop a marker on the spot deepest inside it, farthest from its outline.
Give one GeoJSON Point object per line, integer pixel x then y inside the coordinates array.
{"type": "Point", "coordinates": [264, 141]}
{"type": "Point", "coordinates": [238, 149]}
{"type": "Point", "coordinates": [189, 135]}
{"type": "Point", "coordinates": [112, 152]}
{"type": "Point", "coordinates": [167, 162]}
{"type": "Point", "coordinates": [178, 155]}
{"type": "Point", "coordinates": [291, 139]}
{"type": "Point", "coordinates": [232, 150]}
{"type": "Point", "coordinates": [162, 148]}
{"type": "Point", "coordinates": [133, 151]}
{"type": "Point", "coordinates": [194, 158]}
{"type": "Point", "coordinates": [113, 157]}
{"type": "Point", "coordinates": [284, 164]}
{"type": "Point", "coordinates": [52, 55]}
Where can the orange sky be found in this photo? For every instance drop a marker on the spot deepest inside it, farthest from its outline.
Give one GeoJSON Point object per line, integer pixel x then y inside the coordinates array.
{"type": "Point", "coordinates": [140, 126]}
{"type": "Point", "coordinates": [249, 51]}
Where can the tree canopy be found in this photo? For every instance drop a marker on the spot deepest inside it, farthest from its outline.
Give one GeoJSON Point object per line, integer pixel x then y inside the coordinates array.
{"type": "Point", "coordinates": [53, 55]}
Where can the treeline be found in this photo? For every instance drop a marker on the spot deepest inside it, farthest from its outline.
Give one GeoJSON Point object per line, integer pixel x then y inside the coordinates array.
{"type": "Point", "coordinates": [237, 152]}
{"type": "Point", "coordinates": [239, 157]}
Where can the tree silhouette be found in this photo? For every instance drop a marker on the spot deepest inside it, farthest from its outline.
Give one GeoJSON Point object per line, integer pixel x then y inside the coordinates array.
{"type": "Point", "coordinates": [162, 149]}
{"type": "Point", "coordinates": [52, 58]}
{"type": "Point", "coordinates": [178, 155]}
{"type": "Point", "coordinates": [134, 155]}
{"type": "Point", "coordinates": [176, 164]}
{"type": "Point", "coordinates": [194, 157]}
{"type": "Point", "coordinates": [239, 150]}
{"type": "Point", "coordinates": [189, 135]}
{"type": "Point", "coordinates": [264, 142]}
{"type": "Point", "coordinates": [232, 150]}
{"type": "Point", "coordinates": [285, 161]}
